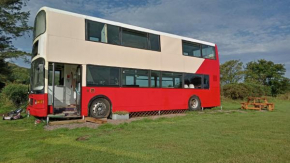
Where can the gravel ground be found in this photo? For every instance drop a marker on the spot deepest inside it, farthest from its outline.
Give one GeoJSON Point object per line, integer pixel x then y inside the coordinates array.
{"type": "Point", "coordinates": [110, 121]}
{"type": "Point", "coordinates": [72, 126]}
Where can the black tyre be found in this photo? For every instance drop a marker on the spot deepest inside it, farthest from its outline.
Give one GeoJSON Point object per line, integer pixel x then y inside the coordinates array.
{"type": "Point", "coordinates": [194, 103]}
{"type": "Point", "coordinates": [100, 108]}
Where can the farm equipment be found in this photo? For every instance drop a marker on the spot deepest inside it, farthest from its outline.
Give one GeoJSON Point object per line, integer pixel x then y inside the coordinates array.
{"type": "Point", "coordinates": [257, 103]}
{"type": "Point", "coordinates": [16, 114]}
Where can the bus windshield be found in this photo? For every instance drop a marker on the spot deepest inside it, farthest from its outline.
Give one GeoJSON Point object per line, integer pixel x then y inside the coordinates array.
{"type": "Point", "coordinates": [37, 76]}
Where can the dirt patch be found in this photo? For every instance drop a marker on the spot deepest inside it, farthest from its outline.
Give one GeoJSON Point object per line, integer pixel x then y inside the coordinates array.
{"type": "Point", "coordinates": [72, 126]}
{"type": "Point", "coordinates": [82, 138]}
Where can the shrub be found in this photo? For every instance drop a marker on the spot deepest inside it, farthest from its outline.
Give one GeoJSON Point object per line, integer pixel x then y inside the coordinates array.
{"type": "Point", "coordinates": [285, 96]}
{"type": "Point", "coordinates": [15, 93]}
{"type": "Point", "coordinates": [244, 90]}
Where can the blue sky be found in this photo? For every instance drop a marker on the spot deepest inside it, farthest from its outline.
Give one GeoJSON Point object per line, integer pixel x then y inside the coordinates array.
{"type": "Point", "coordinates": [243, 29]}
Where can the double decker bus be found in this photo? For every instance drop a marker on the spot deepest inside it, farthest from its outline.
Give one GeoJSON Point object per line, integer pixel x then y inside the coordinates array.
{"type": "Point", "coordinates": [87, 66]}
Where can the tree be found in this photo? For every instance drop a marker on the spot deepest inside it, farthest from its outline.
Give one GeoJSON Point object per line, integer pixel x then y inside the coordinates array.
{"type": "Point", "coordinates": [267, 73]}
{"type": "Point", "coordinates": [13, 24]}
{"type": "Point", "coordinates": [231, 72]}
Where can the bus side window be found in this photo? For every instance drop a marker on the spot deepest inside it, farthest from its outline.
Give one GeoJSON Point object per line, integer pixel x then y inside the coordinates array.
{"type": "Point", "coordinates": [206, 81]}
{"type": "Point", "coordinates": [193, 81]}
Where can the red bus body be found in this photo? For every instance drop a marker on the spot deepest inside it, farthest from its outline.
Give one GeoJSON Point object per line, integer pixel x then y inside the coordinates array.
{"type": "Point", "coordinates": [130, 99]}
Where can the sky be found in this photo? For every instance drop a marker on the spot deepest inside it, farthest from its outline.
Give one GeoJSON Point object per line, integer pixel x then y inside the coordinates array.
{"type": "Point", "coordinates": [243, 30]}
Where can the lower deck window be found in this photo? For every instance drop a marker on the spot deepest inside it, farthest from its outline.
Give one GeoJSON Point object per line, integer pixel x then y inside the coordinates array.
{"type": "Point", "coordinates": [155, 79]}
{"type": "Point", "coordinates": [128, 77]}
{"type": "Point", "coordinates": [192, 81]}
{"type": "Point", "coordinates": [171, 80]}
{"type": "Point", "coordinates": [206, 81]}
{"type": "Point", "coordinates": [102, 76]}
{"type": "Point", "coordinates": [135, 78]}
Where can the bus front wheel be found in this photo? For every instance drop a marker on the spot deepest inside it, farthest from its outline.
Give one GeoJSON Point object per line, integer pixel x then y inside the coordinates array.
{"type": "Point", "coordinates": [194, 103]}
{"type": "Point", "coordinates": [100, 108]}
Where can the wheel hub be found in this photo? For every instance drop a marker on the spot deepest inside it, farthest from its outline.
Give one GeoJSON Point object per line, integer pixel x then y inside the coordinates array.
{"type": "Point", "coordinates": [99, 108]}
{"type": "Point", "coordinates": [193, 103]}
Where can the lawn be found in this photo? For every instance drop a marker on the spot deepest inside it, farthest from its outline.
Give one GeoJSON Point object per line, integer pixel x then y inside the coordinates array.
{"type": "Point", "coordinates": [209, 136]}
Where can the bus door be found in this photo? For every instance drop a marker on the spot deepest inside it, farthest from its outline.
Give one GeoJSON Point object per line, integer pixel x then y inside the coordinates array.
{"type": "Point", "coordinates": [78, 89]}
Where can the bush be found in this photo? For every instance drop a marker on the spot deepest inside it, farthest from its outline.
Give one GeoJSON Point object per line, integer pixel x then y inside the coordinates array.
{"type": "Point", "coordinates": [244, 90]}
{"type": "Point", "coordinates": [15, 94]}
{"type": "Point", "coordinates": [285, 96]}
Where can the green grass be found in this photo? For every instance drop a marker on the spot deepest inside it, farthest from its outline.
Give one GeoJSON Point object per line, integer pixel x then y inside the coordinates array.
{"type": "Point", "coordinates": [211, 136]}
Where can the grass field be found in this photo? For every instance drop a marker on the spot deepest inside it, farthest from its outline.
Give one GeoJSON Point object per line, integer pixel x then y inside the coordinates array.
{"type": "Point", "coordinates": [211, 136]}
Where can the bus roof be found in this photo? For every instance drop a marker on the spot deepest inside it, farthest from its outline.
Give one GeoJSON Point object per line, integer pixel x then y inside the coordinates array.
{"type": "Point", "coordinates": [126, 25]}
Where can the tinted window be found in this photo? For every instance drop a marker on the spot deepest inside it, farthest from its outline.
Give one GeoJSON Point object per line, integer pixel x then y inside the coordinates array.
{"type": "Point", "coordinates": [191, 49]}
{"type": "Point", "coordinates": [193, 81]}
{"type": "Point", "coordinates": [154, 42]}
{"type": "Point", "coordinates": [134, 39]}
{"type": "Point", "coordinates": [39, 24]}
{"type": "Point", "coordinates": [96, 31]}
{"type": "Point", "coordinates": [102, 76]}
{"type": "Point", "coordinates": [135, 78]}
{"type": "Point", "coordinates": [155, 79]}
{"type": "Point", "coordinates": [208, 51]}
{"type": "Point", "coordinates": [171, 80]}
{"type": "Point", "coordinates": [100, 32]}
{"type": "Point", "coordinates": [35, 49]}
{"type": "Point", "coordinates": [206, 82]}
{"type": "Point", "coordinates": [113, 35]}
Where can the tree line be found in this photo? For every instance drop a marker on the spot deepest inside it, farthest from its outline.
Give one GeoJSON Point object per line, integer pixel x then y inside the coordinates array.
{"type": "Point", "coordinates": [255, 78]}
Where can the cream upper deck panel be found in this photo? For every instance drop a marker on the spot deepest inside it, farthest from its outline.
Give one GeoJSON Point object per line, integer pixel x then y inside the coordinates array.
{"type": "Point", "coordinates": [65, 42]}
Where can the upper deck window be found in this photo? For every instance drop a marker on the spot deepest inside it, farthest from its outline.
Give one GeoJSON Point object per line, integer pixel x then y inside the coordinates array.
{"type": "Point", "coordinates": [154, 42]}
{"type": "Point", "coordinates": [208, 52]}
{"type": "Point", "coordinates": [191, 49]}
{"type": "Point", "coordinates": [39, 24]}
{"type": "Point", "coordinates": [96, 31]}
{"type": "Point", "coordinates": [106, 33]}
{"type": "Point", "coordinates": [113, 34]}
{"type": "Point", "coordinates": [198, 50]}
{"type": "Point", "coordinates": [134, 39]}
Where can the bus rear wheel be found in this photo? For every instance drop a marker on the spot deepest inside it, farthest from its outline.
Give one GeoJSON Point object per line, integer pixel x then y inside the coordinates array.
{"type": "Point", "coordinates": [100, 108]}
{"type": "Point", "coordinates": [194, 103]}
